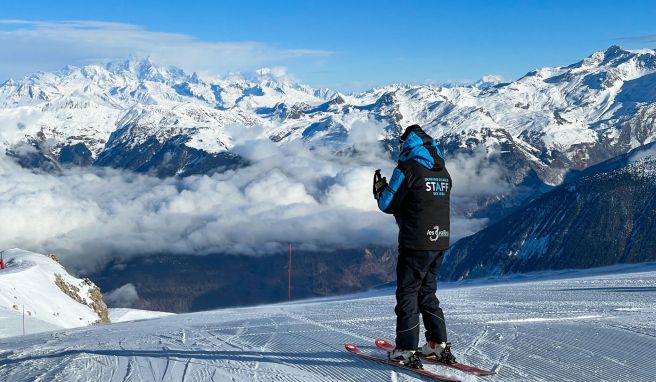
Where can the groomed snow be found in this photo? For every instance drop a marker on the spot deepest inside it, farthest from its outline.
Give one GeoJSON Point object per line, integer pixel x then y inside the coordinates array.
{"type": "Point", "coordinates": [127, 314]}
{"type": "Point", "coordinates": [594, 328]}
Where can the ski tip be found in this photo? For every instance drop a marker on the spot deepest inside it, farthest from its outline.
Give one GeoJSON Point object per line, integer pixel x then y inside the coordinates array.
{"type": "Point", "coordinates": [384, 344]}
{"type": "Point", "coordinates": [351, 347]}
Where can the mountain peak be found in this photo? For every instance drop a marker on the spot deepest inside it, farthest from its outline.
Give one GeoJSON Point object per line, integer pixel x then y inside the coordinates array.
{"type": "Point", "coordinates": [629, 64]}
{"type": "Point", "coordinates": [614, 50]}
{"type": "Point", "coordinates": [144, 69]}
{"type": "Point", "coordinates": [131, 64]}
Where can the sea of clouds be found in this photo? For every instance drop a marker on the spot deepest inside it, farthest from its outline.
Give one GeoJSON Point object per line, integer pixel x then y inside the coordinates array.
{"type": "Point", "coordinates": [314, 198]}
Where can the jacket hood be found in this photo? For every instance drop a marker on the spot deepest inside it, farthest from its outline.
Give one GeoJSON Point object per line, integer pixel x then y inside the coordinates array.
{"type": "Point", "coordinates": [420, 147]}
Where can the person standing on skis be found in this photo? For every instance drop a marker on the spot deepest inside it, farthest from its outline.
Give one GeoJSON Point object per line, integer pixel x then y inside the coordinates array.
{"type": "Point", "coordinates": [418, 196]}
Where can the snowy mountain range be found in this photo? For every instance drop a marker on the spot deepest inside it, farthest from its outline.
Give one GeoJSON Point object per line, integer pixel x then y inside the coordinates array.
{"type": "Point", "coordinates": [578, 143]}
{"type": "Point", "coordinates": [141, 116]}
{"type": "Point", "coordinates": [540, 129]}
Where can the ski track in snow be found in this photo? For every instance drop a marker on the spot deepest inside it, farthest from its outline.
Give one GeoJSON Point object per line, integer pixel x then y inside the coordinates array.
{"type": "Point", "coordinates": [595, 328]}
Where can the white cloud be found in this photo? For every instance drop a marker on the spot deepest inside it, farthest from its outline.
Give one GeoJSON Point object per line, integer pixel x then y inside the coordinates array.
{"type": "Point", "coordinates": [30, 46]}
{"type": "Point", "coordinates": [123, 297]}
{"type": "Point", "coordinates": [289, 193]}
{"type": "Point", "coordinates": [492, 78]}
{"type": "Point", "coordinates": [647, 38]}
{"type": "Point", "coordinates": [477, 178]}
{"type": "Point", "coordinates": [477, 174]}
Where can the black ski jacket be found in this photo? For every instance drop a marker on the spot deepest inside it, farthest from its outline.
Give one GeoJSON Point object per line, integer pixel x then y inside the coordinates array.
{"type": "Point", "coordinates": [418, 194]}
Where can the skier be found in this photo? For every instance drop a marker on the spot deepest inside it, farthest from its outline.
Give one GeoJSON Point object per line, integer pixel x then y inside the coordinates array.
{"type": "Point", "coordinates": [418, 196]}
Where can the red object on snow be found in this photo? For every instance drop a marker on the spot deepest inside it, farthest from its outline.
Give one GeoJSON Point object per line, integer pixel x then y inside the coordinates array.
{"type": "Point", "coordinates": [2, 263]}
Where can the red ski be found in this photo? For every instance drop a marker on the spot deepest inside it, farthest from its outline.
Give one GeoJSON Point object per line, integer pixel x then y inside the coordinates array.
{"type": "Point", "coordinates": [387, 346]}
{"type": "Point", "coordinates": [359, 353]}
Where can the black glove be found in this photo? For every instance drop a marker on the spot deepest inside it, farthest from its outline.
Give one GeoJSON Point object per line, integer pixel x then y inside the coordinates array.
{"type": "Point", "coordinates": [380, 184]}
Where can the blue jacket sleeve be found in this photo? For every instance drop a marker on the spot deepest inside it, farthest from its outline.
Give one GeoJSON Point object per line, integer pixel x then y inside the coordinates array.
{"type": "Point", "coordinates": [392, 197]}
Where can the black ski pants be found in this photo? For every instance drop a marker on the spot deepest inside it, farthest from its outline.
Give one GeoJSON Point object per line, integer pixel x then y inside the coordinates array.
{"type": "Point", "coordinates": [416, 285]}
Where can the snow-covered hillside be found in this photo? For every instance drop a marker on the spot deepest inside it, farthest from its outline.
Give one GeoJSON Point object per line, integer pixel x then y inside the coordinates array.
{"type": "Point", "coordinates": [52, 298]}
{"type": "Point", "coordinates": [601, 216]}
{"type": "Point", "coordinates": [589, 327]}
{"type": "Point", "coordinates": [549, 121]}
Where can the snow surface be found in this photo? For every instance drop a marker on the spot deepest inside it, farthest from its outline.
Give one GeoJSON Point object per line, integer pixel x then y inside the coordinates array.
{"type": "Point", "coordinates": [127, 314]}
{"type": "Point", "coordinates": [599, 327]}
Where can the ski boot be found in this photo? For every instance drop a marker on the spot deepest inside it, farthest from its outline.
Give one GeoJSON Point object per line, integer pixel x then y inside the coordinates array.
{"type": "Point", "coordinates": [406, 357]}
{"type": "Point", "coordinates": [441, 352]}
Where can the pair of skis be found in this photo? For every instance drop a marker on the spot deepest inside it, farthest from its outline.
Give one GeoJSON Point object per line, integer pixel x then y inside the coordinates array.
{"type": "Point", "coordinates": [387, 346]}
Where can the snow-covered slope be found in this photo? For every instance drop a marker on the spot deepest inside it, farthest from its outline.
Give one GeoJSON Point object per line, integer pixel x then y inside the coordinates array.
{"type": "Point", "coordinates": [52, 298]}
{"type": "Point", "coordinates": [127, 314]}
{"type": "Point", "coordinates": [591, 328]}
{"type": "Point", "coordinates": [549, 121]}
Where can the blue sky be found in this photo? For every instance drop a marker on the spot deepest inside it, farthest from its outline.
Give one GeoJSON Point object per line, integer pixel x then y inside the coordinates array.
{"type": "Point", "coordinates": [348, 45]}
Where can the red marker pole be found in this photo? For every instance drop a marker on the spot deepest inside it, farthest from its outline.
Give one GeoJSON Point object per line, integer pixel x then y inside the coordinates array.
{"type": "Point", "coordinates": [289, 274]}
